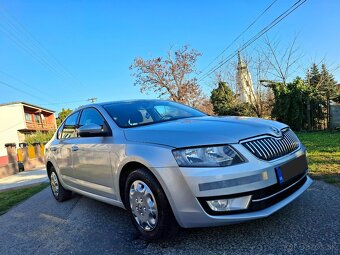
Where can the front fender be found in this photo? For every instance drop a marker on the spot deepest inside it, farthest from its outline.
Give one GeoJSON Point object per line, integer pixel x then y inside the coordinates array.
{"type": "Point", "coordinates": [153, 157]}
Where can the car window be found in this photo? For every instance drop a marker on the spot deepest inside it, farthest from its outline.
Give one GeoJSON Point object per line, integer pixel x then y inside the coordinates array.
{"type": "Point", "coordinates": [60, 131]}
{"type": "Point", "coordinates": [146, 116]}
{"type": "Point", "coordinates": [91, 116]}
{"type": "Point", "coordinates": [167, 111]}
{"type": "Point", "coordinates": [138, 113]}
{"type": "Point", "coordinates": [70, 125]}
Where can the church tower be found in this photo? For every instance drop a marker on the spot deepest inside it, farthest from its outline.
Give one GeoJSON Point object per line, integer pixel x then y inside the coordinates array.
{"type": "Point", "coordinates": [244, 84]}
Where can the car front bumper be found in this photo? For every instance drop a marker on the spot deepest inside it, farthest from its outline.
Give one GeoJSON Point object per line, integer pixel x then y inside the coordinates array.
{"type": "Point", "coordinates": [188, 188]}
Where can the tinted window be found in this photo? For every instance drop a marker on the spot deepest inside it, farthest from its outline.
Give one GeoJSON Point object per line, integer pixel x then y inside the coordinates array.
{"type": "Point", "coordinates": [137, 113]}
{"type": "Point", "coordinates": [91, 116]}
{"type": "Point", "coordinates": [69, 130]}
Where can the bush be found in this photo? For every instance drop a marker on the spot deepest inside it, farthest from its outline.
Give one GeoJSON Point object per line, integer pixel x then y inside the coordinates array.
{"type": "Point", "coordinates": [39, 137]}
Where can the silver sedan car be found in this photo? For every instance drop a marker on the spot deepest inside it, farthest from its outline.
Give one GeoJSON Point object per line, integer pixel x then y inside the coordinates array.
{"type": "Point", "coordinates": [172, 166]}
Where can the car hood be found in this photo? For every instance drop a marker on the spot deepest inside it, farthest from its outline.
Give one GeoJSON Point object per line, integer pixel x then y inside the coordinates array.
{"type": "Point", "coordinates": [202, 131]}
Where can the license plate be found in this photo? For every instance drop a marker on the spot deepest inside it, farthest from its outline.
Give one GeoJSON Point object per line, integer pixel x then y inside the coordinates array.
{"type": "Point", "coordinates": [291, 169]}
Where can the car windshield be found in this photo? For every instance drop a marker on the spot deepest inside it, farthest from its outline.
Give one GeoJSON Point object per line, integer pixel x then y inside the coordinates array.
{"type": "Point", "coordinates": [138, 113]}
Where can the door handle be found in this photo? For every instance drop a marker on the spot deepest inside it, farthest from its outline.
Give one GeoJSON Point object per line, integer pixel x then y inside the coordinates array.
{"type": "Point", "coordinates": [75, 148]}
{"type": "Point", "coordinates": [53, 148]}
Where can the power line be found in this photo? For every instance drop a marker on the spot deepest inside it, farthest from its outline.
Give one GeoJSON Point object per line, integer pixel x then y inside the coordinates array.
{"type": "Point", "coordinates": [40, 98]}
{"type": "Point", "coordinates": [22, 91]}
{"type": "Point", "coordinates": [30, 51]}
{"type": "Point", "coordinates": [238, 37]}
{"type": "Point", "coordinates": [254, 38]}
{"type": "Point", "coordinates": [26, 84]}
{"type": "Point", "coordinates": [67, 102]}
{"type": "Point", "coordinates": [34, 48]}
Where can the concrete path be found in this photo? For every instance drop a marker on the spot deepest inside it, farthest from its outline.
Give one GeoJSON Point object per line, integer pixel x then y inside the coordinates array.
{"type": "Point", "coordinates": [23, 179]}
{"type": "Point", "coordinates": [41, 225]}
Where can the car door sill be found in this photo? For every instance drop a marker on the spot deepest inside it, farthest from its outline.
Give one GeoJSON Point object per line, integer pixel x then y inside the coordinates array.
{"type": "Point", "coordinates": [97, 197]}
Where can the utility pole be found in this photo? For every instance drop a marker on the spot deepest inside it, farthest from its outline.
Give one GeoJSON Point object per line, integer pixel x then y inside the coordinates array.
{"type": "Point", "coordinates": [92, 99]}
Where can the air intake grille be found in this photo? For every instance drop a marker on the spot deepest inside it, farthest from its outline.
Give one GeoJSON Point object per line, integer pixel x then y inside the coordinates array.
{"type": "Point", "coordinates": [270, 148]}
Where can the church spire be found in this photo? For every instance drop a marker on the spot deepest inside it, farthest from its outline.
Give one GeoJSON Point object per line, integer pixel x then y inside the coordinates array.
{"type": "Point", "coordinates": [240, 63]}
{"type": "Point", "coordinates": [244, 84]}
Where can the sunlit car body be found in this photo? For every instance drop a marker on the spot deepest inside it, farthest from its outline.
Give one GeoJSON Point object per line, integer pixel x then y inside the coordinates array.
{"type": "Point", "coordinates": [212, 170]}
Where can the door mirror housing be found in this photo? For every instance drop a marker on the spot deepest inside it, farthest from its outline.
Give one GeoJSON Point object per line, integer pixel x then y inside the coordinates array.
{"type": "Point", "coordinates": [92, 129]}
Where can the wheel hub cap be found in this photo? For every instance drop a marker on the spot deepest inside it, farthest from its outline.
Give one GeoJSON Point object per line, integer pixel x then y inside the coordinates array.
{"type": "Point", "coordinates": [54, 184]}
{"type": "Point", "coordinates": [143, 205]}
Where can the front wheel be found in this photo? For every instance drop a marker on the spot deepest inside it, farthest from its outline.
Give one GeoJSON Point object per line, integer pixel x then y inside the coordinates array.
{"type": "Point", "coordinates": [148, 206]}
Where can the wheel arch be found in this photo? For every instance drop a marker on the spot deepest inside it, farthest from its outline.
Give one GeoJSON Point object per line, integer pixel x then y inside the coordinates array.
{"type": "Point", "coordinates": [49, 165]}
{"type": "Point", "coordinates": [128, 168]}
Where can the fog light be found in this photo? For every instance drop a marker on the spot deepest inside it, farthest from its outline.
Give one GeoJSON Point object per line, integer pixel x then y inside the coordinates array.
{"type": "Point", "coordinates": [231, 204]}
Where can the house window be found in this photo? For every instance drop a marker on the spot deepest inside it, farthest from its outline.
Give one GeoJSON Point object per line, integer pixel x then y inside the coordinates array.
{"type": "Point", "coordinates": [28, 117]}
{"type": "Point", "coordinates": [37, 118]}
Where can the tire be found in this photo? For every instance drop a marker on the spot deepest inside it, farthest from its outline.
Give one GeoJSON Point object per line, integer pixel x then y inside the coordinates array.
{"type": "Point", "coordinates": [161, 224]}
{"type": "Point", "coordinates": [58, 191]}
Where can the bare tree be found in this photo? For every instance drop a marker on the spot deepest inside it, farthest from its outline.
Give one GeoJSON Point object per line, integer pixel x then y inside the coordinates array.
{"type": "Point", "coordinates": [171, 77]}
{"type": "Point", "coordinates": [281, 62]}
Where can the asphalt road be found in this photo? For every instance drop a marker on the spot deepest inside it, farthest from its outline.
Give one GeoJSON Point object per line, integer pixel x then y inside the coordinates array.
{"type": "Point", "coordinates": [40, 225]}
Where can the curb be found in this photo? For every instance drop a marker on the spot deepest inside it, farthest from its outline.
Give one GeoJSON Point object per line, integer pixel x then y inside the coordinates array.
{"type": "Point", "coordinates": [24, 186]}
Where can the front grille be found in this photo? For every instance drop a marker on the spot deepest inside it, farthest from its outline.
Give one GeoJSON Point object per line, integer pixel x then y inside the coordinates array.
{"type": "Point", "coordinates": [269, 148]}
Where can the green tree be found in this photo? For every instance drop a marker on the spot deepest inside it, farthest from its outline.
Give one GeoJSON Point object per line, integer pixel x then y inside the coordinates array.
{"type": "Point", "coordinates": [327, 89]}
{"type": "Point", "coordinates": [322, 89]}
{"type": "Point", "coordinates": [313, 76]}
{"type": "Point", "coordinates": [225, 102]}
{"type": "Point", "coordinates": [328, 83]}
{"type": "Point", "coordinates": [62, 115]}
{"type": "Point", "coordinates": [290, 103]}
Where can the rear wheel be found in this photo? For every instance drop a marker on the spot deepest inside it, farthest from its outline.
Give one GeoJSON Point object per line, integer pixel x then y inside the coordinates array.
{"type": "Point", "coordinates": [58, 191]}
{"type": "Point", "coordinates": [148, 206]}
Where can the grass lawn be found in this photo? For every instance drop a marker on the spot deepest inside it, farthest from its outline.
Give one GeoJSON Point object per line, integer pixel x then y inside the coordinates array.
{"type": "Point", "coordinates": [13, 197]}
{"type": "Point", "coordinates": [323, 151]}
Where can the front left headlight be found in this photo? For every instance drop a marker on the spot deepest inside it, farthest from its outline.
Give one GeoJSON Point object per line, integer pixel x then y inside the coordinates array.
{"type": "Point", "coordinates": [209, 156]}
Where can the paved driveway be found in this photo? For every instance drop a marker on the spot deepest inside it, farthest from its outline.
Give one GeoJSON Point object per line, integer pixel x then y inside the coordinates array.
{"type": "Point", "coordinates": [40, 225]}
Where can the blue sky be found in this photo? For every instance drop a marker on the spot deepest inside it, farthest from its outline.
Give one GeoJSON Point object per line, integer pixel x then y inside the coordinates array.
{"type": "Point", "coordinates": [96, 41]}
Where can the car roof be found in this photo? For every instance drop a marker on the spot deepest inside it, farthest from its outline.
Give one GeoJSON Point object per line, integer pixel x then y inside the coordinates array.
{"type": "Point", "coordinates": [122, 101]}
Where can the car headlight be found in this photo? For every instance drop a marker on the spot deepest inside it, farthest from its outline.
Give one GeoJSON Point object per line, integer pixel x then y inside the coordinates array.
{"type": "Point", "coordinates": [209, 156]}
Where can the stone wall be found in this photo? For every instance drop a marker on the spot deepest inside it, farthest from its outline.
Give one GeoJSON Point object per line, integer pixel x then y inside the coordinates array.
{"type": "Point", "coordinates": [28, 157]}
{"type": "Point", "coordinates": [12, 166]}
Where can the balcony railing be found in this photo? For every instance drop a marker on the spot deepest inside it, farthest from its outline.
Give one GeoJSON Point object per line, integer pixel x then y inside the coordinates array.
{"type": "Point", "coordinates": [40, 126]}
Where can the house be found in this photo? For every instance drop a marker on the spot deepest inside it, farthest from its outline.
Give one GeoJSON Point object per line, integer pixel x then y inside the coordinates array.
{"type": "Point", "coordinates": [19, 119]}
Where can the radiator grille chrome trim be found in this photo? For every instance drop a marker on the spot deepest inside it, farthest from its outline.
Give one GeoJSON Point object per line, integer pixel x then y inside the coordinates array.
{"type": "Point", "coordinates": [269, 147]}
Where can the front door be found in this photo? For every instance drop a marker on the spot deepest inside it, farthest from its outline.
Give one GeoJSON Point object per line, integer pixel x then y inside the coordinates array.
{"type": "Point", "coordinates": [91, 158]}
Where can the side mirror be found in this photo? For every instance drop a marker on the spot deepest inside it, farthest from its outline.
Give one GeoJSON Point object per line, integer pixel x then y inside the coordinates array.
{"type": "Point", "coordinates": [91, 130]}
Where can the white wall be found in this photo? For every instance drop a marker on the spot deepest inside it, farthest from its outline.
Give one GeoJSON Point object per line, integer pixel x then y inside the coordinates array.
{"type": "Point", "coordinates": [12, 118]}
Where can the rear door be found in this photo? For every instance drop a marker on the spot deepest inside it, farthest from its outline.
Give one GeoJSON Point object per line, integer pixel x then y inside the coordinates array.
{"type": "Point", "coordinates": [91, 159]}
{"type": "Point", "coordinates": [63, 151]}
